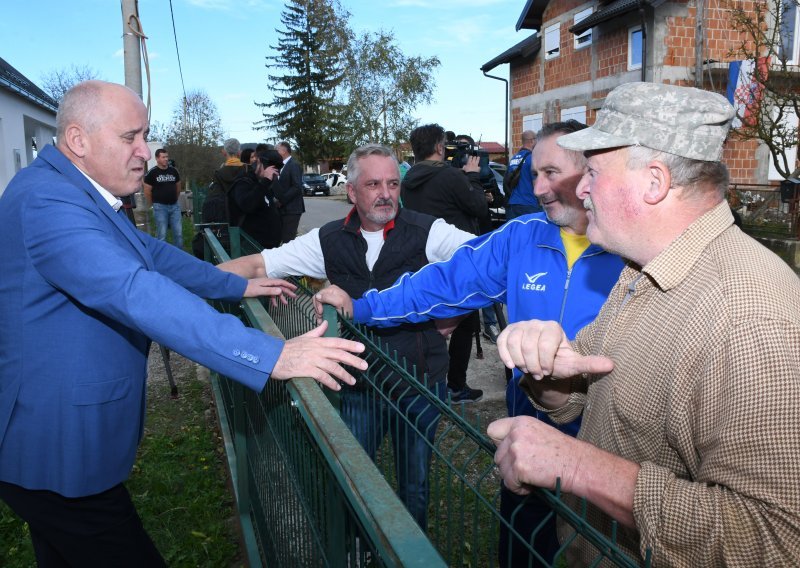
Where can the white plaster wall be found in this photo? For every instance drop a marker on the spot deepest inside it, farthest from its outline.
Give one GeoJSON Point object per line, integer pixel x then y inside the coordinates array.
{"type": "Point", "coordinates": [17, 115]}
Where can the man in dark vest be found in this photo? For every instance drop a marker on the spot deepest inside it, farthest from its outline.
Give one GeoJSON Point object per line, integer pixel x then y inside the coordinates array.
{"type": "Point", "coordinates": [371, 248]}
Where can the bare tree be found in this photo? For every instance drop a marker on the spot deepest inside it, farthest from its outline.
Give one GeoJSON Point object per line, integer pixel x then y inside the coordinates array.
{"type": "Point", "coordinates": [58, 81]}
{"type": "Point", "coordinates": [194, 136]}
{"type": "Point", "coordinates": [768, 33]}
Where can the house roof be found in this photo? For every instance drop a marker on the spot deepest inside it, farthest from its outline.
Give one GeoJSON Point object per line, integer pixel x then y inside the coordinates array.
{"type": "Point", "coordinates": [525, 48]}
{"type": "Point", "coordinates": [531, 16]}
{"type": "Point", "coordinates": [493, 147]}
{"type": "Point", "coordinates": [606, 13]}
{"type": "Point", "coordinates": [15, 81]}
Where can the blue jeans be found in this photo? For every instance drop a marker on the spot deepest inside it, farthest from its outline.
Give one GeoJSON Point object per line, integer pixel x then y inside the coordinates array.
{"type": "Point", "coordinates": [369, 417]}
{"type": "Point", "coordinates": [168, 216]}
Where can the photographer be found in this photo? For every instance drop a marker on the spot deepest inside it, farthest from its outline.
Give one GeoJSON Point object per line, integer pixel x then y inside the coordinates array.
{"type": "Point", "coordinates": [431, 186]}
{"type": "Point", "coordinates": [456, 195]}
{"type": "Point", "coordinates": [253, 193]}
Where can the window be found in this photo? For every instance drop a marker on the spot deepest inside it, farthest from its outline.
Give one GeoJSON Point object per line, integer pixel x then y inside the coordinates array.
{"type": "Point", "coordinates": [585, 38]}
{"type": "Point", "coordinates": [552, 41]}
{"type": "Point", "coordinates": [635, 47]}
{"type": "Point", "coordinates": [790, 38]}
{"type": "Point", "coordinates": [574, 113]}
{"type": "Point", "coordinates": [788, 122]}
{"type": "Point", "coordinates": [532, 122]}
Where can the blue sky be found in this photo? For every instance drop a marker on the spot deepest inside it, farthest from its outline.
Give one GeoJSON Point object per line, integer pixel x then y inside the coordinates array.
{"type": "Point", "coordinates": [223, 45]}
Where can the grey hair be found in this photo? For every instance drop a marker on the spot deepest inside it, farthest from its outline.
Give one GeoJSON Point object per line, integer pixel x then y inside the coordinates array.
{"type": "Point", "coordinates": [80, 105]}
{"type": "Point", "coordinates": [353, 169]}
{"type": "Point", "coordinates": [692, 175]}
{"type": "Point", "coordinates": [232, 146]}
{"type": "Point", "coordinates": [285, 145]}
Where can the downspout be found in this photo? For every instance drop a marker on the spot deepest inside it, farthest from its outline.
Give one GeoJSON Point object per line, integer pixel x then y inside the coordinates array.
{"type": "Point", "coordinates": [644, 40]}
{"type": "Point", "coordinates": [505, 153]}
{"type": "Point", "coordinates": [699, 43]}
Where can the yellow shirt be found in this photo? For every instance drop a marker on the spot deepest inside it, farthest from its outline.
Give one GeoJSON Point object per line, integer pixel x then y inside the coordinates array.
{"type": "Point", "coordinates": [574, 245]}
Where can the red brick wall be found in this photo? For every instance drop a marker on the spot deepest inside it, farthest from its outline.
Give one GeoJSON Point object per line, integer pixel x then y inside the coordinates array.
{"type": "Point", "coordinates": [609, 48]}
{"type": "Point", "coordinates": [740, 157]}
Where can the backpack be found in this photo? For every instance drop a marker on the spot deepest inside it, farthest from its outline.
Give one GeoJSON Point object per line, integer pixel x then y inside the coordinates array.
{"type": "Point", "coordinates": [511, 179]}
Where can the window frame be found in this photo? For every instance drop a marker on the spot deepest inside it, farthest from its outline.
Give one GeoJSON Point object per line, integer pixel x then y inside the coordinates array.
{"type": "Point", "coordinates": [631, 65]}
{"type": "Point", "coordinates": [585, 36]}
{"type": "Point", "coordinates": [794, 57]}
{"type": "Point", "coordinates": [551, 52]}
{"type": "Point", "coordinates": [532, 122]}
{"type": "Point", "coordinates": [576, 113]}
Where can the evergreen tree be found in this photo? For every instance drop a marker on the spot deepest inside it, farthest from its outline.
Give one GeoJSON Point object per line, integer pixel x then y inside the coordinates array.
{"type": "Point", "coordinates": [303, 109]}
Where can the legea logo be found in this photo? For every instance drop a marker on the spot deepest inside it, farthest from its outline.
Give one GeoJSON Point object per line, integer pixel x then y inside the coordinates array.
{"type": "Point", "coordinates": [531, 283]}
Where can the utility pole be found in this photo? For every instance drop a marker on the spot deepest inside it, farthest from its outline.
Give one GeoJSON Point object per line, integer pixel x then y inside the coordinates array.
{"type": "Point", "coordinates": [131, 46]}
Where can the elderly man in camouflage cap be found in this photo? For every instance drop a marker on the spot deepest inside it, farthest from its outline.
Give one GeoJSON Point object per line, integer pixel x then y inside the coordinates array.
{"type": "Point", "coordinates": [689, 378]}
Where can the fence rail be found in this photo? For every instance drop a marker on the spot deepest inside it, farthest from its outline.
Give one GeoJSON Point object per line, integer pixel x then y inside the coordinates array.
{"type": "Point", "coordinates": [767, 210]}
{"type": "Point", "coordinates": [308, 492]}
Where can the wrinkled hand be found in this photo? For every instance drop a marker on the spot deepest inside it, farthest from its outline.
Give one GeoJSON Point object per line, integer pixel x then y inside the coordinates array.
{"type": "Point", "coordinates": [274, 287]}
{"type": "Point", "coordinates": [473, 164]}
{"type": "Point", "coordinates": [446, 326]}
{"type": "Point", "coordinates": [532, 453]}
{"type": "Point", "coordinates": [541, 349]}
{"type": "Point", "coordinates": [321, 358]}
{"type": "Point", "coordinates": [336, 297]}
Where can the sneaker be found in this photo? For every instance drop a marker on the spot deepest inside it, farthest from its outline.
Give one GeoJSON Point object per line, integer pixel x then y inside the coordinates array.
{"type": "Point", "coordinates": [466, 395]}
{"type": "Point", "coordinates": [491, 332]}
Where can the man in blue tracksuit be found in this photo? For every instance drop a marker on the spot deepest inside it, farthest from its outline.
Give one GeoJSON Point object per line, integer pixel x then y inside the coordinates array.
{"type": "Point", "coordinates": [542, 267]}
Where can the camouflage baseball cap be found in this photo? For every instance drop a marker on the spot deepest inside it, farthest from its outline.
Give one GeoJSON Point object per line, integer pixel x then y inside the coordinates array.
{"type": "Point", "coordinates": [683, 121]}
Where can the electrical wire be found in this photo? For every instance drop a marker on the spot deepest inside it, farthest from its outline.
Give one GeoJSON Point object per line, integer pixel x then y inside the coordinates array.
{"type": "Point", "coordinates": [177, 52]}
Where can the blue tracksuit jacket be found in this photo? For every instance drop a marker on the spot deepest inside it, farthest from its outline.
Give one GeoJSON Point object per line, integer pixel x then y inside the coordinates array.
{"type": "Point", "coordinates": [522, 264]}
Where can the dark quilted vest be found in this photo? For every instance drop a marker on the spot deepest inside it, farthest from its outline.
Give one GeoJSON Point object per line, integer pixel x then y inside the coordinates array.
{"type": "Point", "coordinates": [344, 250]}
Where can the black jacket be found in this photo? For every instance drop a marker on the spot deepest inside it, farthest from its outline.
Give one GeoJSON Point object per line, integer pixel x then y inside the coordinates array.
{"type": "Point", "coordinates": [438, 189]}
{"type": "Point", "coordinates": [289, 189]}
{"type": "Point", "coordinates": [344, 250]}
{"type": "Point", "coordinates": [260, 218]}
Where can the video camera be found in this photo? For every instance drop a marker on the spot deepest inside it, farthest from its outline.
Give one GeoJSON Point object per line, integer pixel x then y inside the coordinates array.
{"type": "Point", "coordinates": [270, 158]}
{"type": "Point", "coordinates": [459, 148]}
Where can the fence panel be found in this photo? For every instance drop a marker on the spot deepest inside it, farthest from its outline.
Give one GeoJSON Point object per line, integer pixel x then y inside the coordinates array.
{"type": "Point", "coordinates": [313, 496]}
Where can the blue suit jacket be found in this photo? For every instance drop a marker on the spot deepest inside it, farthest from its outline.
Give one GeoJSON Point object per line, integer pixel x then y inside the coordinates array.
{"type": "Point", "coordinates": [81, 291]}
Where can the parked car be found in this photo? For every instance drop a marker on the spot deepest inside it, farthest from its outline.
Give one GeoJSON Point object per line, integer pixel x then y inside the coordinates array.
{"type": "Point", "coordinates": [314, 184]}
{"type": "Point", "coordinates": [340, 180]}
{"type": "Point", "coordinates": [498, 214]}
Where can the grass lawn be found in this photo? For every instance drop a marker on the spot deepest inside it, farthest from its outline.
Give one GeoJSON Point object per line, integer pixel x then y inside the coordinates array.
{"type": "Point", "coordinates": [179, 484]}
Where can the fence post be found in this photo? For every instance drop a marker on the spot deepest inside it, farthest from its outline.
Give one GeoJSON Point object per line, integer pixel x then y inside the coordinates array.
{"type": "Point", "coordinates": [329, 315]}
{"type": "Point", "coordinates": [235, 235]}
{"type": "Point", "coordinates": [335, 528]}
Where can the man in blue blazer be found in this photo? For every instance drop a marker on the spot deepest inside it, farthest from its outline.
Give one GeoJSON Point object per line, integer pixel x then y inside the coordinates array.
{"type": "Point", "coordinates": [82, 295]}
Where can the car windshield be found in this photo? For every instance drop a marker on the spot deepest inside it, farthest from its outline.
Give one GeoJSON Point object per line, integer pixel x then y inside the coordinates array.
{"type": "Point", "coordinates": [313, 177]}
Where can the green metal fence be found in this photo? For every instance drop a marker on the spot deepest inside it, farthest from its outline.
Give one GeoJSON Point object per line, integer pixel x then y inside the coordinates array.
{"type": "Point", "coordinates": [309, 495]}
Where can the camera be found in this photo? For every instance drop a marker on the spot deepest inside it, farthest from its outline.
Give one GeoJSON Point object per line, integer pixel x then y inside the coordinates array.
{"type": "Point", "coordinates": [270, 158]}
{"type": "Point", "coordinates": [459, 148]}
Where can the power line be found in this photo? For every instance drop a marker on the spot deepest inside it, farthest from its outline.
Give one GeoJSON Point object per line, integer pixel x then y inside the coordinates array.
{"type": "Point", "coordinates": [175, 35]}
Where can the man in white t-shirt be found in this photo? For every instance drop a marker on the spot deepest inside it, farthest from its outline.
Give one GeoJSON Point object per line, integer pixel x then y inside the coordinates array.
{"type": "Point", "coordinates": [371, 248]}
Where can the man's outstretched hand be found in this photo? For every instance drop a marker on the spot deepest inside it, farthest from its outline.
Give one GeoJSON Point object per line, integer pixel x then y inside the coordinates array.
{"type": "Point", "coordinates": [275, 288]}
{"type": "Point", "coordinates": [541, 348]}
{"type": "Point", "coordinates": [337, 298]}
{"type": "Point", "coordinates": [321, 358]}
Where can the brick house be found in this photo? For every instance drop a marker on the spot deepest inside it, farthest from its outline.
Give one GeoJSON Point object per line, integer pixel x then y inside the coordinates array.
{"type": "Point", "coordinates": [582, 50]}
